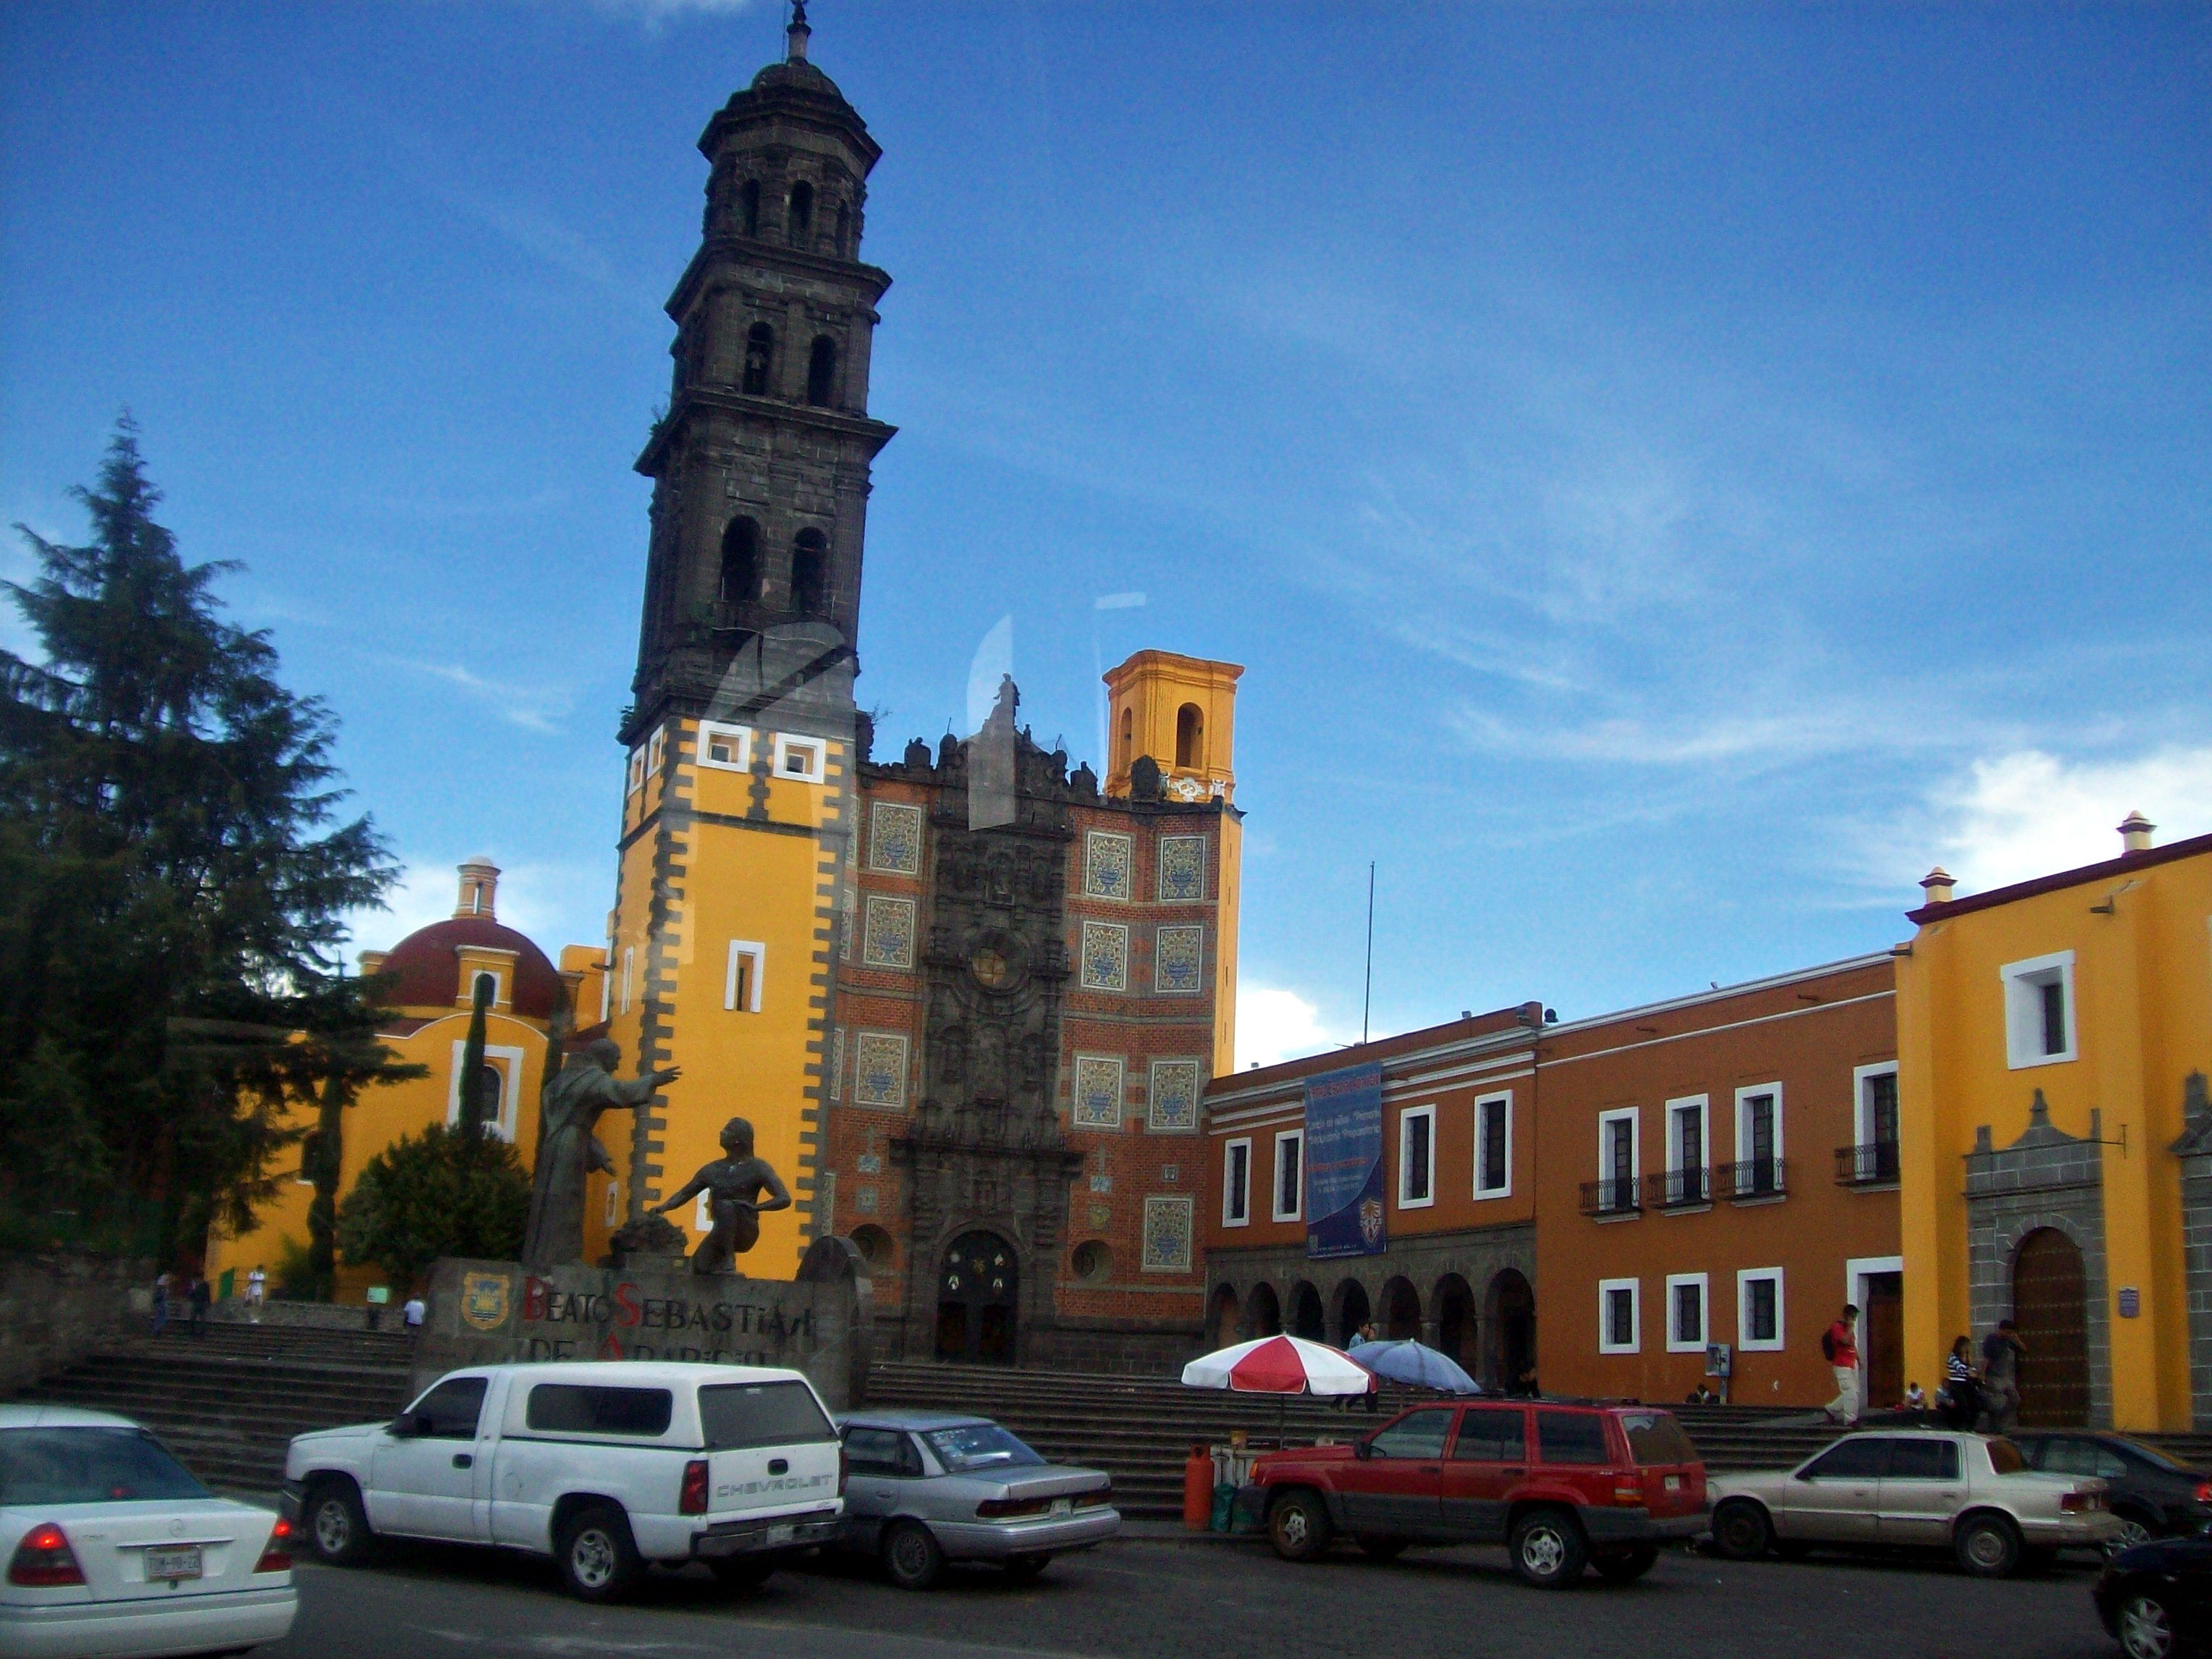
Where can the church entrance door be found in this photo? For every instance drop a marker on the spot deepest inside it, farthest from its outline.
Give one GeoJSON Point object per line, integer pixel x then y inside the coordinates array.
{"type": "Point", "coordinates": [976, 1289]}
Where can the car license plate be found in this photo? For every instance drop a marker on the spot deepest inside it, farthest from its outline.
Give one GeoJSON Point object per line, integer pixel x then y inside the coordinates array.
{"type": "Point", "coordinates": [1063, 1506]}
{"type": "Point", "coordinates": [782, 1535]}
{"type": "Point", "coordinates": [1674, 1483]}
{"type": "Point", "coordinates": [173, 1564]}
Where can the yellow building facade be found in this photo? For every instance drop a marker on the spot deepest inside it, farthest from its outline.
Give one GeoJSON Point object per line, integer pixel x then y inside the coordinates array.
{"type": "Point", "coordinates": [2055, 1140]}
{"type": "Point", "coordinates": [432, 974]}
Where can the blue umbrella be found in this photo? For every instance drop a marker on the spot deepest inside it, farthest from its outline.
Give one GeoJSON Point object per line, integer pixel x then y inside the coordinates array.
{"type": "Point", "coordinates": [1416, 1363]}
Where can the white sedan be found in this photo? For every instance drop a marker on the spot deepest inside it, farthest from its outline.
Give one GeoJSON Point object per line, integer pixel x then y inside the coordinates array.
{"type": "Point", "coordinates": [1969, 1492]}
{"type": "Point", "coordinates": [113, 1548]}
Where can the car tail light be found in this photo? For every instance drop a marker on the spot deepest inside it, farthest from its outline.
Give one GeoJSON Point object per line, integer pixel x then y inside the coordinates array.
{"type": "Point", "coordinates": [844, 1467]}
{"type": "Point", "coordinates": [1096, 1496]}
{"type": "Point", "coordinates": [694, 1498]}
{"type": "Point", "coordinates": [997, 1509]}
{"type": "Point", "coordinates": [2204, 1492]}
{"type": "Point", "coordinates": [44, 1559]}
{"type": "Point", "coordinates": [1628, 1490]}
{"type": "Point", "coordinates": [2074, 1502]}
{"type": "Point", "coordinates": [277, 1555]}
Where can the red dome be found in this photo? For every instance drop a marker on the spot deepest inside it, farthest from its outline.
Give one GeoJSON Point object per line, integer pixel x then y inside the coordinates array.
{"type": "Point", "coordinates": [425, 973]}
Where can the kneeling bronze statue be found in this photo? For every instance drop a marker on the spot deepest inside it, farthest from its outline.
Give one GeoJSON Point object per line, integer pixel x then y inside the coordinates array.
{"type": "Point", "coordinates": [733, 1184]}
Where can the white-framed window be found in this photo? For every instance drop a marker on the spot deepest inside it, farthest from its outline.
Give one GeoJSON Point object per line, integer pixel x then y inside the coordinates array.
{"type": "Point", "coordinates": [1236, 1182]}
{"type": "Point", "coordinates": [726, 748]}
{"type": "Point", "coordinates": [634, 780]}
{"type": "Point", "coordinates": [630, 963]}
{"type": "Point", "coordinates": [1493, 1146]}
{"type": "Point", "coordinates": [1290, 1174]}
{"type": "Point", "coordinates": [1875, 1124]}
{"type": "Point", "coordinates": [1686, 1313]}
{"type": "Point", "coordinates": [1417, 1158]}
{"type": "Point", "coordinates": [656, 747]}
{"type": "Point", "coordinates": [498, 989]}
{"type": "Point", "coordinates": [1688, 1151]}
{"type": "Point", "coordinates": [1759, 1140]}
{"type": "Point", "coordinates": [503, 1068]}
{"type": "Point", "coordinates": [2039, 1025]}
{"type": "Point", "coordinates": [1758, 1324]}
{"type": "Point", "coordinates": [1620, 1316]}
{"type": "Point", "coordinates": [803, 760]}
{"type": "Point", "coordinates": [1619, 1161]}
{"type": "Point", "coordinates": [741, 981]}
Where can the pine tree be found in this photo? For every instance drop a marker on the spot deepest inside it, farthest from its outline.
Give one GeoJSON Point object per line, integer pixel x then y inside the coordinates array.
{"type": "Point", "coordinates": [170, 850]}
{"type": "Point", "coordinates": [435, 1195]}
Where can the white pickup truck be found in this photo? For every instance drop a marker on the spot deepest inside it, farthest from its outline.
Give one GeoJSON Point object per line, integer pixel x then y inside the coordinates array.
{"type": "Point", "coordinates": [604, 1465]}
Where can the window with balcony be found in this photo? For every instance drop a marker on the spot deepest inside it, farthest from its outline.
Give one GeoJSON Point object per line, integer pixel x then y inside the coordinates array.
{"type": "Point", "coordinates": [1615, 1191]}
{"type": "Point", "coordinates": [1871, 1159]}
{"type": "Point", "coordinates": [1759, 1169]}
{"type": "Point", "coordinates": [1687, 1182]}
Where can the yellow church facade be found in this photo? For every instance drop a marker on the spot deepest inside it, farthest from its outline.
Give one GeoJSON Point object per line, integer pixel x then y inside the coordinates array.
{"type": "Point", "coordinates": [432, 975]}
{"type": "Point", "coordinates": [2056, 1138]}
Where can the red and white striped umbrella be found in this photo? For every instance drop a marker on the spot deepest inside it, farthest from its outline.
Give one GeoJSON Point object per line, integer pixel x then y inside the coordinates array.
{"type": "Point", "coordinates": [1280, 1364]}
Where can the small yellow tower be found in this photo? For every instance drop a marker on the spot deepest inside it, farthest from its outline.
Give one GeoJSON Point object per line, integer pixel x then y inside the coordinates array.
{"type": "Point", "coordinates": [1180, 712]}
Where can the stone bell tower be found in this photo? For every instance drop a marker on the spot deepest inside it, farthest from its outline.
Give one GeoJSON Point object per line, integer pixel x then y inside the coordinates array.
{"type": "Point", "coordinates": [760, 465]}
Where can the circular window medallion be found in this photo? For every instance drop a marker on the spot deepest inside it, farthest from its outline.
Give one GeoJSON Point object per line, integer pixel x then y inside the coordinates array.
{"type": "Point", "coordinates": [992, 972]}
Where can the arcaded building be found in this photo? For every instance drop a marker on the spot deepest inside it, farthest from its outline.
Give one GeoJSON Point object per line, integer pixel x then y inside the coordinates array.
{"type": "Point", "coordinates": [968, 994]}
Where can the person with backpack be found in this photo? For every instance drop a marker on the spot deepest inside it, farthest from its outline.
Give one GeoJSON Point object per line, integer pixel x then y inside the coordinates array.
{"type": "Point", "coordinates": [1839, 1346]}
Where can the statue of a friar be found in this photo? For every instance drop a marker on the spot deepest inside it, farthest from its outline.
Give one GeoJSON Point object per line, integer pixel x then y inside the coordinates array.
{"type": "Point", "coordinates": [733, 1184]}
{"type": "Point", "coordinates": [568, 1151]}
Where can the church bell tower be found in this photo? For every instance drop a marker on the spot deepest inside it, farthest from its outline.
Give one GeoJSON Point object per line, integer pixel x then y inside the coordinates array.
{"type": "Point", "coordinates": [761, 466]}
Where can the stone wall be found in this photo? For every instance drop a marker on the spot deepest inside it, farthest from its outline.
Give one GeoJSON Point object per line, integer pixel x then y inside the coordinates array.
{"type": "Point", "coordinates": [57, 1308]}
{"type": "Point", "coordinates": [499, 1312]}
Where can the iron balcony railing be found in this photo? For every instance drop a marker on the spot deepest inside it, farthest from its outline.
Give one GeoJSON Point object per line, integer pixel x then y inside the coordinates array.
{"type": "Point", "coordinates": [1756, 1177]}
{"type": "Point", "coordinates": [1675, 1189]}
{"type": "Point", "coordinates": [1615, 1195]}
{"type": "Point", "coordinates": [1873, 1164]}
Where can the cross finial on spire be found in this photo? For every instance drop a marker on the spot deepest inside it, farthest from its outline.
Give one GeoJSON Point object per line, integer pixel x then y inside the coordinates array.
{"type": "Point", "coordinates": [796, 34]}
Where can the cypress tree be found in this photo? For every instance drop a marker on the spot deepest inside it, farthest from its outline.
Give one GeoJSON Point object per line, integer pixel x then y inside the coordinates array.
{"type": "Point", "coordinates": [171, 849]}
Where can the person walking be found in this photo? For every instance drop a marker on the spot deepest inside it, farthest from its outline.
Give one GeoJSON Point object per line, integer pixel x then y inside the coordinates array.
{"type": "Point", "coordinates": [200, 1297]}
{"type": "Point", "coordinates": [1839, 1346]}
{"type": "Point", "coordinates": [414, 1312]}
{"type": "Point", "coordinates": [257, 1291]}
{"type": "Point", "coordinates": [2001, 1353]}
{"type": "Point", "coordinates": [160, 1301]}
{"type": "Point", "coordinates": [1962, 1390]}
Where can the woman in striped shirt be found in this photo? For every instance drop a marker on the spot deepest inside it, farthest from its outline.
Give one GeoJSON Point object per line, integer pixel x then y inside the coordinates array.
{"type": "Point", "coordinates": [1962, 1390]}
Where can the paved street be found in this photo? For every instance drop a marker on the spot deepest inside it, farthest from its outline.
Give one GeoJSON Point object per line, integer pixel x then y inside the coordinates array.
{"type": "Point", "coordinates": [1167, 1598]}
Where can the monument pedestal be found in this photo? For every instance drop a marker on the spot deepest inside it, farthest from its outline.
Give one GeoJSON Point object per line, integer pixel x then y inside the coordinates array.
{"type": "Point", "coordinates": [489, 1313]}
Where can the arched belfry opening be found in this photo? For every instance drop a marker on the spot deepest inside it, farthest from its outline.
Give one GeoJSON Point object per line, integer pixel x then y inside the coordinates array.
{"type": "Point", "coordinates": [740, 581]}
{"type": "Point", "coordinates": [809, 574]}
{"type": "Point", "coordinates": [801, 217]}
{"type": "Point", "coordinates": [822, 372]}
{"type": "Point", "coordinates": [760, 347]}
{"type": "Point", "coordinates": [1190, 737]}
{"type": "Point", "coordinates": [749, 208]}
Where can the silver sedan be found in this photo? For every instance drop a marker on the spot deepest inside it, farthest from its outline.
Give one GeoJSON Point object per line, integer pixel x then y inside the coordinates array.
{"type": "Point", "coordinates": [923, 1488]}
{"type": "Point", "coordinates": [1969, 1492]}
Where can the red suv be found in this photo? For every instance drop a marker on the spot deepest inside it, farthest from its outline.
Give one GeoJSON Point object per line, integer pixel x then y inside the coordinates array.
{"type": "Point", "coordinates": [1561, 1484]}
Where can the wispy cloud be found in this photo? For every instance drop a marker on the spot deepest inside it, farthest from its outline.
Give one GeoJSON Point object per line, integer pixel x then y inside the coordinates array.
{"type": "Point", "coordinates": [534, 708]}
{"type": "Point", "coordinates": [656, 15]}
{"type": "Point", "coordinates": [1274, 1024]}
{"type": "Point", "coordinates": [554, 903]}
{"type": "Point", "coordinates": [2028, 813]}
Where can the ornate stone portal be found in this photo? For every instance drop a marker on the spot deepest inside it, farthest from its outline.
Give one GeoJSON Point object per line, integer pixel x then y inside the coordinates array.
{"type": "Point", "coordinates": [985, 1156]}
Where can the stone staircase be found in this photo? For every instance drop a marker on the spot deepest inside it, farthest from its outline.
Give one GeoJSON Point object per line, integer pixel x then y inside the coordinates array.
{"type": "Point", "coordinates": [229, 1403]}
{"type": "Point", "coordinates": [1140, 1429]}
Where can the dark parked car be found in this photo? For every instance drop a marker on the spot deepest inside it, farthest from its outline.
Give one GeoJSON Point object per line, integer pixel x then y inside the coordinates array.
{"type": "Point", "coordinates": [2157, 1597]}
{"type": "Point", "coordinates": [2154, 1495]}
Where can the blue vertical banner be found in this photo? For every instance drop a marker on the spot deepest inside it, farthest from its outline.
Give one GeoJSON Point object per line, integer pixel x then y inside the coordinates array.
{"type": "Point", "coordinates": [1344, 1164]}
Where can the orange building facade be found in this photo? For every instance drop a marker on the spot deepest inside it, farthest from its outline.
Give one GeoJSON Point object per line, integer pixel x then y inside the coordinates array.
{"type": "Point", "coordinates": [1601, 1203]}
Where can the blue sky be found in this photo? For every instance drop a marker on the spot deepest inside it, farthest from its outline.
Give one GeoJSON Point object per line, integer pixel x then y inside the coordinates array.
{"type": "Point", "coordinates": [1671, 474]}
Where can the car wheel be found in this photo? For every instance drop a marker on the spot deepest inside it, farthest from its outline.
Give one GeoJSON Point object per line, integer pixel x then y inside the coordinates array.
{"type": "Point", "coordinates": [2146, 1628]}
{"type": "Point", "coordinates": [1298, 1526]}
{"type": "Point", "coordinates": [1548, 1549]}
{"type": "Point", "coordinates": [2134, 1530]}
{"type": "Point", "coordinates": [597, 1558]}
{"type": "Point", "coordinates": [911, 1556]}
{"type": "Point", "coordinates": [1741, 1531]}
{"type": "Point", "coordinates": [1381, 1549]}
{"type": "Point", "coordinates": [336, 1524]}
{"type": "Point", "coordinates": [1988, 1546]}
{"type": "Point", "coordinates": [1626, 1566]}
{"type": "Point", "coordinates": [1023, 1569]}
{"type": "Point", "coordinates": [743, 1571]}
